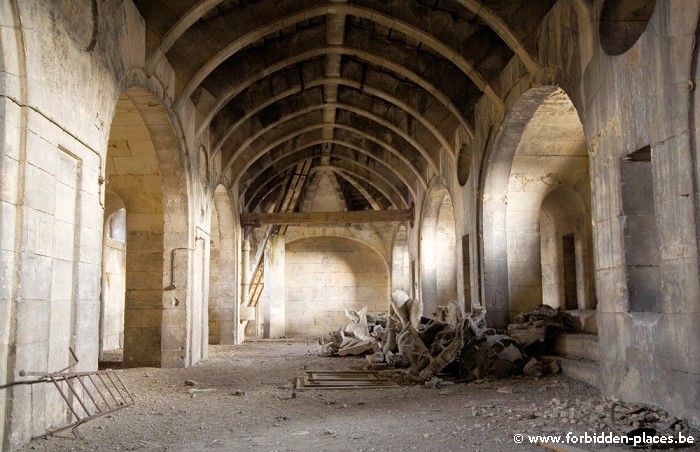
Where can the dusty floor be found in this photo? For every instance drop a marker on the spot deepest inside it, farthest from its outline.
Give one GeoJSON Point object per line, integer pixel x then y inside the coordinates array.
{"type": "Point", "coordinates": [250, 407]}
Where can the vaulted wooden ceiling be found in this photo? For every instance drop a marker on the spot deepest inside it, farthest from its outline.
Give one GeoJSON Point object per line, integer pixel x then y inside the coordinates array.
{"type": "Point", "coordinates": [371, 90]}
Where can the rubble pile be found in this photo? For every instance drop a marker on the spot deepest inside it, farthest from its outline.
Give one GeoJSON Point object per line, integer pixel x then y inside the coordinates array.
{"type": "Point", "coordinates": [452, 342]}
{"type": "Point", "coordinates": [363, 334]}
{"type": "Point", "coordinates": [534, 329]}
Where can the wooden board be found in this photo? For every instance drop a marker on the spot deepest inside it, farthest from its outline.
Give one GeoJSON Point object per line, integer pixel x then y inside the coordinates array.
{"type": "Point", "coordinates": [343, 380]}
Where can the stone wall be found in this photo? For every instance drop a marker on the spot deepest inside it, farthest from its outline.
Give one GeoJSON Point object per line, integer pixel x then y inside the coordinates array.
{"type": "Point", "coordinates": [113, 290]}
{"type": "Point", "coordinates": [325, 276]}
{"type": "Point", "coordinates": [643, 96]}
{"type": "Point", "coordinates": [63, 70]}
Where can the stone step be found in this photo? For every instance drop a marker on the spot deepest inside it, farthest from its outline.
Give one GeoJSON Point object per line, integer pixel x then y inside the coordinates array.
{"type": "Point", "coordinates": [580, 369]}
{"type": "Point", "coordinates": [576, 346]}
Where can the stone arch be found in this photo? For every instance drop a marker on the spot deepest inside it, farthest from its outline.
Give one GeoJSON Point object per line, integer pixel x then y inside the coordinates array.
{"type": "Point", "coordinates": [13, 86]}
{"type": "Point", "coordinates": [438, 249]}
{"type": "Point", "coordinates": [366, 236]}
{"type": "Point", "coordinates": [541, 146]}
{"type": "Point", "coordinates": [326, 275]}
{"type": "Point", "coordinates": [565, 250]}
{"type": "Point", "coordinates": [401, 261]}
{"type": "Point", "coordinates": [223, 287]}
{"type": "Point", "coordinates": [144, 166]}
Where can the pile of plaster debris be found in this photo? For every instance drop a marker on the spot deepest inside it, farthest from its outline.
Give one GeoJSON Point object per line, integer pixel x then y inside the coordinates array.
{"type": "Point", "coordinates": [451, 343]}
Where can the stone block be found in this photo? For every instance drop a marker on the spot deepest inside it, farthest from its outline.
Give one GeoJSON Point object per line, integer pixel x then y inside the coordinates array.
{"type": "Point", "coordinates": [139, 261]}
{"type": "Point", "coordinates": [40, 190]}
{"type": "Point", "coordinates": [143, 318]}
{"type": "Point", "coordinates": [34, 281]}
{"type": "Point", "coordinates": [138, 203]}
{"type": "Point", "coordinates": [7, 223]}
{"type": "Point", "coordinates": [128, 132]}
{"type": "Point", "coordinates": [135, 165]}
{"type": "Point", "coordinates": [6, 316]}
{"type": "Point", "coordinates": [174, 359]}
{"type": "Point", "coordinates": [61, 280]}
{"type": "Point", "coordinates": [141, 148]}
{"type": "Point", "coordinates": [153, 183]}
{"type": "Point", "coordinates": [125, 184]}
{"type": "Point", "coordinates": [680, 290]}
{"type": "Point", "coordinates": [143, 299]}
{"type": "Point", "coordinates": [32, 321]}
{"type": "Point", "coordinates": [88, 287]}
{"type": "Point", "coordinates": [60, 325]}
{"type": "Point", "coordinates": [144, 222]}
{"type": "Point", "coordinates": [142, 347]}
{"type": "Point", "coordinates": [63, 240]}
{"type": "Point", "coordinates": [174, 317]}
{"type": "Point", "coordinates": [144, 241]}
{"type": "Point", "coordinates": [671, 340]}
{"type": "Point", "coordinates": [611, 286]}
{"type": "Point", "coordinates": [38, 232]}
{"type": "Point", "coordinates": [119, 147]}
{"type": "Point", "coordinates": [90, 246]}
{"type": "Point", "coordinates": [41, 154]}
{"type": "Point", "coordinates": [144, 280]}
{"type": "Point", "coordinates": [174, 337]}
{"type": "Point", "coordinates": [65, 201]}
{"type": "Point", "coordinates": [8, 179]}
{"type": "Point", "coordinates": [67, 170]}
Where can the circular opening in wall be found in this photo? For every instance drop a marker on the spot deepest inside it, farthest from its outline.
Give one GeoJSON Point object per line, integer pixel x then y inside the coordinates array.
{"type": "Point", "coordinates": [622, 22]}
{"type": "Point", "coordinates": [464, 165]}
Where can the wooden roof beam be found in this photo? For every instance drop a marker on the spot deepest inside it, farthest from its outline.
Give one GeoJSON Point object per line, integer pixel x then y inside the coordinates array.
{"type": "Point", "coordinates": [324, 219]}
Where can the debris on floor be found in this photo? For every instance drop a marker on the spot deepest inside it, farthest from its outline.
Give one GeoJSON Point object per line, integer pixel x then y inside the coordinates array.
{"type": "Point", "coordinates": [452, 342]}
{"type": "Point", "coordinates": [343, 380]}
{"type": "Point", "coordinates": [535, 328]}
{"type": "Point", "coordinates": [636, 419]}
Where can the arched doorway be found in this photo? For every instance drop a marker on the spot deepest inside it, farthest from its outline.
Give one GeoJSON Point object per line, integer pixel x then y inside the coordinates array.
{"type": "Point", "coordinates": [401, 261]}
{"type": "Point", "coordinates": [144, 168]}
{"type": "Point", "coordinates": [113, 280]}
{"type": "Point", "coordinates": [565, 251]}
{"type": "Point", "coordinates": [541, 149]}
{"type": "Point", "coordinates": [438, 250]}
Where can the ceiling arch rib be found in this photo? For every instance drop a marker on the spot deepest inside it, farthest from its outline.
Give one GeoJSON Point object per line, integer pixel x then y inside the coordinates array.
{"type": "Point", "coordinates": [387, 21]}
{"type": "Point", "coordinates": [311, 150]}
{"type": "Point", "coordinates": [175, 32]}
{"type": "Point", "coordinates": [501, 28]}
{"type": "Point", "coordinates": [277, 185]}
{"type": "Point", "coordinates": [241, 166]}
{"type": "Point", "coordinates": [393, 163]}
{"type": "Point", "coordinates": [247, 144]}
{"type": "Point", "coordinates": [364, 192]}
{"type": "Point", "coordinates": [377, 60]}
{"type": "Point", "coordinates": [372, 200]}
{"type": "Point", "coordinates": [385, 187]}
{"type": "Point", "coordinates": [250, 113]}
{"type": "Point", "coordinates": [492, 20]}
{"type": "Point", "coordinates": [397, 200]}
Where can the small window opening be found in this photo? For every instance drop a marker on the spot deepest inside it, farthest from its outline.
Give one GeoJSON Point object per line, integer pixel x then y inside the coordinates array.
{"type": "Point", "coordinates": [640, 232]}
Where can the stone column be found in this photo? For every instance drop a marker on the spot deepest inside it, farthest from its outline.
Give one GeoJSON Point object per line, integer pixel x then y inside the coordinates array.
{"type": "Point", "coordinates": [274, 293]}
